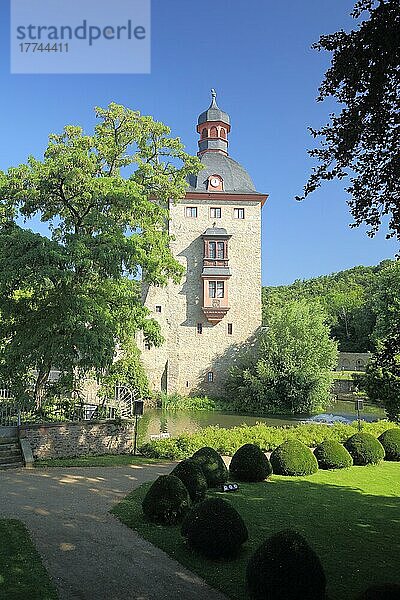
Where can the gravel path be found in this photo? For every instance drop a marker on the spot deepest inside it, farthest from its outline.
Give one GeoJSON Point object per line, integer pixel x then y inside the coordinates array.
{"type": "Point", "coordinates": [88, 552]}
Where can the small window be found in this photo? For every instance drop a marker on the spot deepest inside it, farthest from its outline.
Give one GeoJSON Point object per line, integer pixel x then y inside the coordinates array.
{"type": "Point", "coordinates": [212, 249]}
{"type": "Point", "coordinates": [238, 213]}
{"type": "Point", "coordinates": [216, 289]}
{"type": "Point", "coordinates": [204, 133]}
{"type": "Point", "coordinates": [191, 211]}
{"type": "Point", "coordinates": [215, 213]}
{"type": "Point", "coordinates": [230, 328]}
{"type": "Point", "coordinates": [220, 289]}
{"type": "Point", "coordinates": [200, 328]}
{"type": "Point", "coordinates": [223, 133]}
{"type": "Point", "coordinates": [220, 250]}
{"type": "Point", "coordinates": [210, 376]}
{"type": "Point", "coordinates": [213, 132]}
{"type": "Point", "coordinates": [147, 346]}
{"type": "Point", "coordinates": [212, 287]}
{"type": "Point", "coordinates": [187, 384]}
{"type": "Point", "coordinates": [158, 308]}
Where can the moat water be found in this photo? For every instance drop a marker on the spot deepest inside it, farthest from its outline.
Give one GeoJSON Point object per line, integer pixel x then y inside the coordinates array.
{"type": "Point", "coordinates": [156, 421]}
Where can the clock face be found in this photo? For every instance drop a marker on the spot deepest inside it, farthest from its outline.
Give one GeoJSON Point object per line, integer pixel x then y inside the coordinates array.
{"type": "Point", "coordinates": [214, 181]}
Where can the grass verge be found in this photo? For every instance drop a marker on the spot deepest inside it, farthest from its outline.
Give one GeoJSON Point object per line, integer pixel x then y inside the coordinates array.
{"type": "Point", "coordinates": [22, 574]}
{"type": "Point", "coordinates": [106, 460]}
{"type": "Point", "coordinates": [350, 517]}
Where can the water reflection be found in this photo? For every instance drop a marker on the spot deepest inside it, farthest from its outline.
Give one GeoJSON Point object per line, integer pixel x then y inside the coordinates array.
{"type": "Point", "coordinates": [156, 421]}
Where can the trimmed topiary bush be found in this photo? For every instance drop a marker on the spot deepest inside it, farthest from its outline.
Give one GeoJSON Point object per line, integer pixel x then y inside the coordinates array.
{"type": "Point", "coordinates": [167, 500]}
{"type": "Point", "coordinates": [385, 591]}
{"type": "Point", "coordinates": [285, 567]}
{"type": "Point", "coordinates": [213, 466]}
{"type": "Point", "coordinates": [249, 463]}
{"type": "Point", "coordinates": [390, 440]}
{"type": "Point", "coordinates": [365, 449]}
{"type": "Point", "coordinates": [293, 458]}
{"type": "Point", "coordinates": [215, 529]}
{"type": "Point", "coordinates": [192, 476]}
{"type": "Point", "coordinates": [332, 455]}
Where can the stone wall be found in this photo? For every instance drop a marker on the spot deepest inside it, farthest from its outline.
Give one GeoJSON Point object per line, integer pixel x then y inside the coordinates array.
{"type": "Point", "coordinates": [57, 440]}
{"type": "Point", "coordinates": [182, 363]}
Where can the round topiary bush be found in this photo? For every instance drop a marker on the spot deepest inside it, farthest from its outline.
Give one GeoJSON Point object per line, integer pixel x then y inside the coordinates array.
{"type": "Point", "coordinates": [249, 463]}
{"type": "Point", "coordinates": [293, 458]}
{"type": "Point", "coordinates": [390, 440]}
{"type": "Point", "coordinates": [213, 466]}
{"type": "Point", "coordinates": [365, 449]}
{"type": "Point", "coordinates": [192, 476]}
{"type": "Point", "coordinates": [215, 529]}
{"type": "Point", "coordinates": [167, 500]}
{"type": "Point", "coordinates": [285, 567]}
{"type": "Point", "coordinates": [385, 591]}
{"type": "Point", "coordinates": [332, 455]}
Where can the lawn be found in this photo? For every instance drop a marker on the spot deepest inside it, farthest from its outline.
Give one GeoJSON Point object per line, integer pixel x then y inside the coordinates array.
{"type": "Point", "coordinates": [350, 517]}
{"type": "Point", "coordinates": [22, 574]}
{"type": "Point", "coordinates": [106, 460]}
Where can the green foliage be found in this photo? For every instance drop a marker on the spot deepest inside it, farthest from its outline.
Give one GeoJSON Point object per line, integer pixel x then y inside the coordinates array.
{"type": "Point", "coordinates": [364, 449]}
{"type": "Point", "coordinates": [390, 440]}
{"type": "Point", "coordinates": [385, 591]}
{"type": "Point", "coordinates": [177, 402]}
{"type": "Point", "coordinates": [127, 370]}
{"type": "Point", "coordinates": [215, 529]}
{"type": "Point", "coordinates": [167, 500]}
{"type": "Point", "coordinates": [285, 567]}
{"type": "Point", "coordinates": [291, 372]}
{"type": "Point", "coordinates": [346, 298]}
{"type": "Point", "coordinates": [293, 458]}
{"type": "Point", "coordinates": [332, 455]}
{"type": "Point", "coordinates": [212, 465]}
{"type": "Point", "coordinates": [69, 301]}
{"type": "Point", "coordinates": [192, 476]}
{"type": "Point", "coordinates": [249, 463]}
{"type": "Point", "coordinates": [363, 138]}
{"type": "Point", "coordinates": [227, 441]}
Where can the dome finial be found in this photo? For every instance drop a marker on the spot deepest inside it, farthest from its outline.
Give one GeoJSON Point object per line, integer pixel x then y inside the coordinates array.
{"type": "Point", "coordinates": [213, 93]}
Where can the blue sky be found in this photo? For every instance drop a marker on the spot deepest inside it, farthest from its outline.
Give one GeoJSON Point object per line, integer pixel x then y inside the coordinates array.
{"type": "Point", "coordinates": [257, 55]}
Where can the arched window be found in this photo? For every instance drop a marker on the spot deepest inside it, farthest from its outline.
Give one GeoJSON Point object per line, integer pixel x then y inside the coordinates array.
{"type": "Point", "coordinates": [223, 133]}
{"type": "Point", "coordinates": [213, 132]}
{"type": "Point", "coordinates": [204, 133]}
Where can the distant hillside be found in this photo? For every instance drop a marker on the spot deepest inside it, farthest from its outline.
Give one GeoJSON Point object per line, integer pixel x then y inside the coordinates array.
{"type": "Point", "coordinates": [347, 298]}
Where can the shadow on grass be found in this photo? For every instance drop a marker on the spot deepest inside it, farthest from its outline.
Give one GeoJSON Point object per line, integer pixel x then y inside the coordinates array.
{"type": "Point", "coordinates": [356, 534]}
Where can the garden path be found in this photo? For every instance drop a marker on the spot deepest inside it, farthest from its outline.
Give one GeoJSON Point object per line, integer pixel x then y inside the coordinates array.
{"type": "Point", "coordinates": [89, 554]}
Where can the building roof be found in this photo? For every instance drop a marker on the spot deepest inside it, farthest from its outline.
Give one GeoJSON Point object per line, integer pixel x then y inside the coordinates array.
{"type": "Point", "coordinates": [216, 271]}
{"type": "Point", "coordinates": [216, 231]}
{"type": "Point", "coordinates": [236, 179]}
{"type": "Point", "coordinates": [213, 112]}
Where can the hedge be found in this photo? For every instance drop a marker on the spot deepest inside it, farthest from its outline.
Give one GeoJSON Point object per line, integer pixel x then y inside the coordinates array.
{"type": "Point", "coordinates": [227, 441]}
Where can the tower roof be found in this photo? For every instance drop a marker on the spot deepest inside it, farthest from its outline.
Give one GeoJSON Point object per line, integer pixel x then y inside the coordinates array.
{"type": "Point", "coordinates": [213, 112]}
{"type": "Point", "coordinates": [235, 177]}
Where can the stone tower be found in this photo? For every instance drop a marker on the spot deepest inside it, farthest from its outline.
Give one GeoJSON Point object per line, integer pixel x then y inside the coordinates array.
{"type": "Point", "coordinates": [216, 309]}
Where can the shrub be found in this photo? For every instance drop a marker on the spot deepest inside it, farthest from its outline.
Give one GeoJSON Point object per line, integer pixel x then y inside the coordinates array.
{"type": "Point", "coordinates": [215, 528]}
{"type": "Point", "coordinates": [285, 567]}
{"type": "Point", "coordinates": [166, 501]}
{"type": "Point", "coordinates": [213, 466]}
{"type": "Point", "coordinates": [390, 440]}
{"type": "Point", "coordinates": [365, 449]}
{"type": "Point", "coordinates": [227, 441]}
{"type": "Point", "coordinates": [293, 458]}
{"type": "Point", "coordinates": [192, 476]}
{"type": "Point", "coordinates": [386, 591]}
{"type": "Point", "coordinates": [332, 455]}
{"type": "Point", "coordinates": [249, 463]}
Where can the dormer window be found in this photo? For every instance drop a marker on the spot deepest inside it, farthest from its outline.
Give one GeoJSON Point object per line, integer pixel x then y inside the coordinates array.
{"type": "Point", "coordinates": [215, 183]}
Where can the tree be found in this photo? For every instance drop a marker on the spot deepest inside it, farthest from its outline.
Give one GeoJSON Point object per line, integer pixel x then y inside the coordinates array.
{"type": "Point", "coordinates": [382, 377]}
{"type": "Point", "coordinates": [291, 371]}
{"type": "Point", "coordinates": [363, 139]}
{"type": "Point", "coordinates": [68, 302]}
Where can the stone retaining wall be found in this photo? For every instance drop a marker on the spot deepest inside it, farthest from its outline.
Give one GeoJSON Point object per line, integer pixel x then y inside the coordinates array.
{"type": "Point", "coordinates": [57, 440]}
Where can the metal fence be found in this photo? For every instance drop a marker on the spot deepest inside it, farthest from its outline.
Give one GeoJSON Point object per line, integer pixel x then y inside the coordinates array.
{"type": "Point", "coordinates": [74, 409]}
